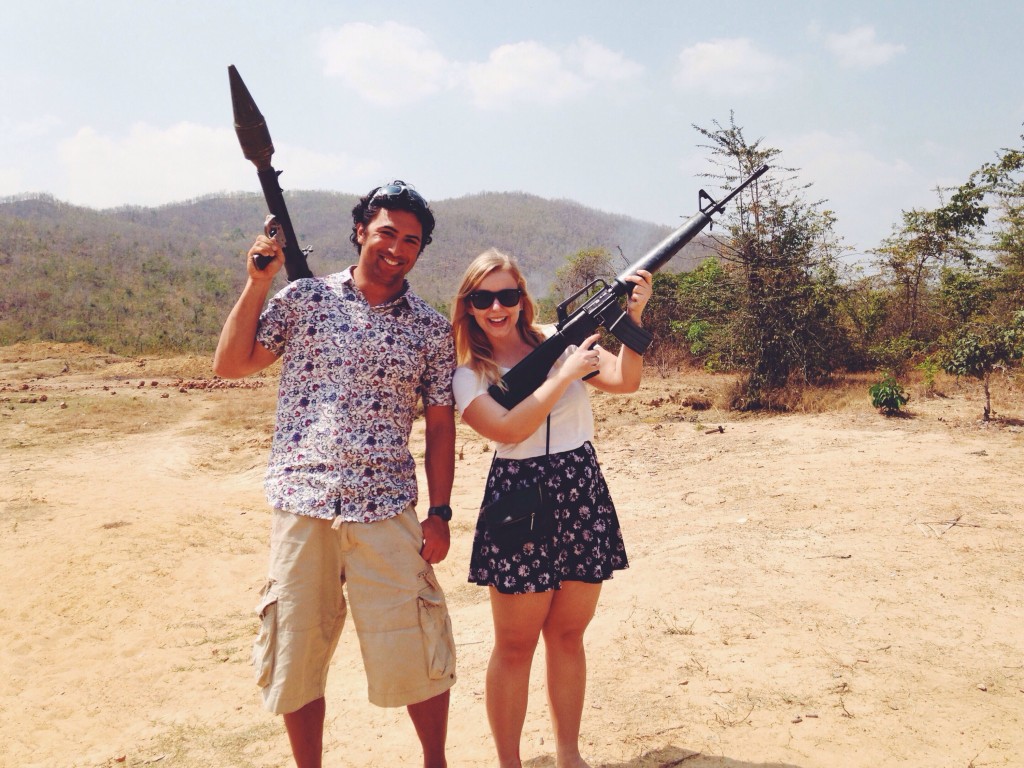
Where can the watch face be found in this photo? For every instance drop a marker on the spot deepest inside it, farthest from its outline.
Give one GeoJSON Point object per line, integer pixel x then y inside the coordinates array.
{"type": "Point", "coordinates": [444, 512]}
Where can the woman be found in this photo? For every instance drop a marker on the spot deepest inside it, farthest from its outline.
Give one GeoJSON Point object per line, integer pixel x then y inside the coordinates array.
{"type": "Point", "coordinates": [550, 585]}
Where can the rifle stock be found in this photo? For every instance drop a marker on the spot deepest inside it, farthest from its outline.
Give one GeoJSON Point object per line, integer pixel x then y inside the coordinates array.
{"type": "Point", "coordinates": [602, 310]}
{"type": "Point", "coordinates": [254, 136]}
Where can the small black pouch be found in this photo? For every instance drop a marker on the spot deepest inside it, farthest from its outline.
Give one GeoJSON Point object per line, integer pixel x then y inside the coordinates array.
{"type": "Point", "coordinates": [522, 515]}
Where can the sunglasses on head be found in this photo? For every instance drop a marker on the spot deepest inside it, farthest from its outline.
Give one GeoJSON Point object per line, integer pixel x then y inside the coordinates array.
{"type": "Point", "coordinates": [507, 297]}
{"type": "Point", "coordinates": [395, 190]}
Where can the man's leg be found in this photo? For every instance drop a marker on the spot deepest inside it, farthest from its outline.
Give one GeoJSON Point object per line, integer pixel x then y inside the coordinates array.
{"type": "Point", "coordinates": [430, 718]}
{"type": "Point", "coordinates": [308, 614]}
{"type": "Point", "coordinates": [305, 728]}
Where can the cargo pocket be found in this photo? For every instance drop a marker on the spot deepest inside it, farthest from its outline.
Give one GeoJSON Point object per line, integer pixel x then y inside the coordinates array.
{"type": "Point", "coordinates": [263, 650]}
{"type": "Point", "coordinates": [436, 629]}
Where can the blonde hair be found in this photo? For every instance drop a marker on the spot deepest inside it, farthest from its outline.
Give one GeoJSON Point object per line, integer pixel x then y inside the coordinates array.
{"type": "Point", "coordinates": [472, 348]}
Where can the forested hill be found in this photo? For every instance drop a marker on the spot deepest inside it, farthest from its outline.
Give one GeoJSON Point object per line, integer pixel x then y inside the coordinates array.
{"type": "Point", "coordinates": [158, 279]}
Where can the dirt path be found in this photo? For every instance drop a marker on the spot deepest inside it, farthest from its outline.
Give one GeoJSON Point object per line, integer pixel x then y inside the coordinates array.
{"type": "Point", "coordinates": [804, 590]}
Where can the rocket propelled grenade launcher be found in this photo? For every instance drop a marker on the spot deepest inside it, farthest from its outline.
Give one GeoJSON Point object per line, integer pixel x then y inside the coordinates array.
{"type": "Point", "coordinates": [602, 310]}
{"type": "Point", "coordinates": [254, 137]}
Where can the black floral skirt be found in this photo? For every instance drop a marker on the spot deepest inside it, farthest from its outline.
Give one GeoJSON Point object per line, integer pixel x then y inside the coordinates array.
{"type": "Point", "coordinates": [587, 543]}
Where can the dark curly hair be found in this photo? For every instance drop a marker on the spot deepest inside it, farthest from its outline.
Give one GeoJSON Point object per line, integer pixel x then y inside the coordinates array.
{"type": "Point", "coordinates": [396, 196]}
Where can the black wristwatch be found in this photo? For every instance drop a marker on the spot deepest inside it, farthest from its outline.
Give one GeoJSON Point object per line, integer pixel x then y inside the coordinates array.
{"type": "Point", "coordinates": [443, 511]}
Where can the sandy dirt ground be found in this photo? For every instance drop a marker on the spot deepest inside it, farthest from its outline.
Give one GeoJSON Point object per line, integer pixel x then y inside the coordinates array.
{"type": "Point", "coordinates": [826, 589]}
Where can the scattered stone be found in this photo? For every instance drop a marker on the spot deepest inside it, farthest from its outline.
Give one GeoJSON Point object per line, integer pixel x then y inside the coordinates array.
{"type": "Point", "coordinates": [208, 384]}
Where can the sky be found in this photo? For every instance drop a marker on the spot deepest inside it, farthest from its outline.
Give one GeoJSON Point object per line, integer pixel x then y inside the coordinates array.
{"type": "Point", "coordinates": [877, 102]}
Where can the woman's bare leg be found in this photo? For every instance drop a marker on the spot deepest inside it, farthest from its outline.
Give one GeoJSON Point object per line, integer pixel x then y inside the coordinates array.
{"type": "Point", "coordinates": [572, 608]}
{"type": "Point", "coordinates": [518, 620]}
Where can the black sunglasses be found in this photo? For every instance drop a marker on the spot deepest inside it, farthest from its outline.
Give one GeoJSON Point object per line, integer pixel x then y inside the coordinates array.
{"type": "Point", "coordinates": [395, 190]}
{"type": "Point", "coordinates": [507, 297]}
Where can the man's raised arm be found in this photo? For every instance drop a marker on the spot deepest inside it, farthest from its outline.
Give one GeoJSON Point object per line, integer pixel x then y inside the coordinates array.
{"type": "Point", "coordinates": [238, 353]}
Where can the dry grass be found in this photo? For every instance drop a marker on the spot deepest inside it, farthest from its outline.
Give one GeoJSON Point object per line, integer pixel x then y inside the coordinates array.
{"type": "Point", "coordinates": [79, 415]}
{"type": "Point", "coordinates": [45, 359]}
{"type": "Point", "coordinates": [845, 392]}
{"type": "Point", "coordinates": [199, 744]}
{"type": "Point", "coordinates": [78, 391]}
{"type": "Point", "coordinates": [254, 413]}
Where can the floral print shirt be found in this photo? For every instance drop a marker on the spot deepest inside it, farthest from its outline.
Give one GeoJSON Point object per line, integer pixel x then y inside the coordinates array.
{"type": "Point", "coordinates": [351, 377]}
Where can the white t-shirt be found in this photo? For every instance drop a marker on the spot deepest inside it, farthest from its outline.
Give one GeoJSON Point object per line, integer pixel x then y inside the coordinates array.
{"type": "Point", "coordinates": [572, 420]}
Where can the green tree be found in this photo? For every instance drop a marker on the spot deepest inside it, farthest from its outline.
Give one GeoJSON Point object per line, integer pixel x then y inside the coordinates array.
{"type": "Point", "coordinates": [980, 349]}
{"type": "Point", "coordinates": [580, 270]}
{"type": "Point", "coordinates": [1003, 182]}
{"type": "Point", "coordinates": [784, 253]}
{"type": "Point", "coordinates": [913, 257]}
{"type": "Point", "coordinates": [982, 299]}
{"type": "Point", "coordinates": [692, 315]}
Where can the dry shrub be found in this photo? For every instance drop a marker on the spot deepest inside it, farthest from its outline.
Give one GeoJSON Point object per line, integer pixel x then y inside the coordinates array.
{"type": "Point", "coordinates": [697, 402]}
{"type": "Point", "coordinates": [683, 394]}
{"type": "Point", "coordinates": [842, 392]}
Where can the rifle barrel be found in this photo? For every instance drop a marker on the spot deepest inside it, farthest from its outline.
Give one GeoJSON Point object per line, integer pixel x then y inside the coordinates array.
{"type": "Point", "coordinates": [656, 258]}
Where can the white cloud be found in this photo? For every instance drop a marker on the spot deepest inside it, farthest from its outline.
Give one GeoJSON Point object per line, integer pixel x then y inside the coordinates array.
{"type": "Point", "coordinates": [315, 170]}
{"type": "Point", "coordinates": [866, 191]}
{"type": "Point", "coordinates": [148, 166]}
{"type": "Point", "coordinates": [22, 158]}
{"type": "Point", "coordinates": [27, 130]}
{"type": "Point", "coordinates": [12, 182]}
{"type": "Point", "coordinates": [525, 71]}
{"type": "Point", "coordinates": [154, 166]}
{"type": "Point", "coordinates": [387, 64]}
{"type": "Point", "coordinates": [820, 154]}
{"type": "Point", "coordinates": [600, 64]}
{"type": "Point", "coordinates": [531, 72]}
{"type": "Point", "coordinates": [729, 66]}
{"type": "Point", "coordinates": [858, 49]}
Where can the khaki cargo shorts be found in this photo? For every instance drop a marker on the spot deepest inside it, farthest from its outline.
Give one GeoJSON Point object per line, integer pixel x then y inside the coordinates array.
{"type": "Point", "coordinates": [399, 611]}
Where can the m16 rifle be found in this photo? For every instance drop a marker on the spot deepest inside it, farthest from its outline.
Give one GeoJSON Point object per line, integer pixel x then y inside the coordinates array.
{"type": "Point", "coordinates": [602, 310]}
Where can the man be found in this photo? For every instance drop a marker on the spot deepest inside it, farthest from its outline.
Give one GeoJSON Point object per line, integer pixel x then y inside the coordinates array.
{"type": "Point", "coordinates": [358, 350]}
